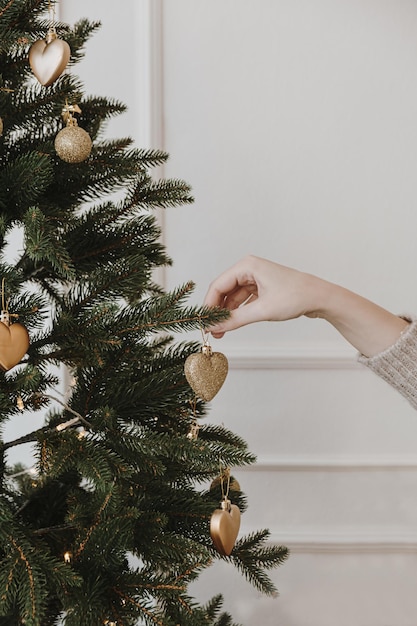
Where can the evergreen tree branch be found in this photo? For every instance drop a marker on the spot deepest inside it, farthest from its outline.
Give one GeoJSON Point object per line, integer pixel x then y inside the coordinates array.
{"type": "Point", "coordinates": [132, 484]}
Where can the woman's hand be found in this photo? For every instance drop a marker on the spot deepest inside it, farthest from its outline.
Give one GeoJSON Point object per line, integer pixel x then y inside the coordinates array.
{"type": "Point", "coordinates": [256, 289]}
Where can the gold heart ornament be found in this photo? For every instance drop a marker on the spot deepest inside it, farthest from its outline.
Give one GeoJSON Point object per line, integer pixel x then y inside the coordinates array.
{"type": "Point", "coordinates": [206, 372]}
{"type": "Point", "coordinates": [14, 342]}
{"type": "Point", "coordinates": [48, 58]}
{"type": "Point", "coordinates": [224, 527]}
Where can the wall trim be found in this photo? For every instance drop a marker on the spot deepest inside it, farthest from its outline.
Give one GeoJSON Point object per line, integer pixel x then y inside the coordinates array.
{"type": "Point", "coordinates": [149, 78]}
{"type": "Point", "coordinates": [150, 93]}
{"type": "Point", "coordinates": [291, 357]}
{"type": "Point", "coordinates": [332, 463]}
{"type": "Point", "coordinates": [374, 541]}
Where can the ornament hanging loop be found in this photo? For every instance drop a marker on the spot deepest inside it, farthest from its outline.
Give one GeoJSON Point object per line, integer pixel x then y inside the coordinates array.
{"type": "Point", "coordinates": [205, 336]}
{"type": "Point", "coordinates": [225, 476]}
{"type": "Point", "coordinates": [4, 314]}
{"type": "Point", "coordinates": [67, 113]}
{"type": "Point", "coordinates": [51, 34]}
{"type": "Point", "coordinates": [226, 505]}
{"type": "Point", "coordinates": [206, 348]}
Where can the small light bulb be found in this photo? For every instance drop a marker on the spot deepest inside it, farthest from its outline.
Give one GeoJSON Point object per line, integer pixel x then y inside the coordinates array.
{"type": "Point", "coordinates": [20, 404]}
{"type": "Point", "coordinates": [81, 433]}
{"type": "Point", "coordinates": [67, 557]}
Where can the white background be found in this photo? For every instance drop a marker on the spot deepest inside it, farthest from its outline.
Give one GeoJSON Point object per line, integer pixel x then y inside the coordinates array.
{"type": "Point", "coordinates": [295, 123]}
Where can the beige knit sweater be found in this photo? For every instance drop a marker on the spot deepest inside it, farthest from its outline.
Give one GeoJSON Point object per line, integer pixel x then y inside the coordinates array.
{"type": "Point", "coordinates": [397, 365]}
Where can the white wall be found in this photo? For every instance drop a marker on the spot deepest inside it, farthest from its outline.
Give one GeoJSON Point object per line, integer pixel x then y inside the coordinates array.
{"type": "Point", "coordinates": [295, 123]}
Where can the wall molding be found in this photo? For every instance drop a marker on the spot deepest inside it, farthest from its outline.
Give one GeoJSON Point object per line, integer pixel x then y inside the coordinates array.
{"type": "Point", "coordinates": [150, 92]}
{"type": "Point", "coordinates": [291, 357]}
{"type": "Point", "coordinates": [332, 463]}
{"type": "Point", "coordinates": [334, 541]}
{"type": "Point", "coordinates": [149, 79]}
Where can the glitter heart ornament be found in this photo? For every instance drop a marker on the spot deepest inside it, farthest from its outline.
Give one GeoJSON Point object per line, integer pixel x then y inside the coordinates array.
{"type": "Point", "coordinates": [224, 527]}
{"type": "Point", "coordinates": [206, 372]}
{"type": "Point", "coordinates": [48, 58]}
{"type": "Point", "coordinates": [14, 342]}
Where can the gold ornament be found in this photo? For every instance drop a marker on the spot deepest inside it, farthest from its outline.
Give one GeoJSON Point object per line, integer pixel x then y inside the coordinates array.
{"type": "Point", "coordinates": [206, 372]}
{"type": "Point", "coordinates": [48, 58]}
{"type": "Point", "coordinates": [14, 342]}
{"type": "Point", "coordinates": [224, 527]}
{"type": "Point", "coordinates": [1, 127]}
{"type": "Point", "coordinates": [225, 522]}
{"type": "Point", "coordinates": [72, 144]}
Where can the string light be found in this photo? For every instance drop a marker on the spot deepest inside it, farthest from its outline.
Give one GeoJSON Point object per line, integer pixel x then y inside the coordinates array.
{"type": "Point", "coordinates": [67, 424]}
{"type": "Point", "coordinates": [67, 557]}
{"type": "Point", "coordinates": [32, 471]}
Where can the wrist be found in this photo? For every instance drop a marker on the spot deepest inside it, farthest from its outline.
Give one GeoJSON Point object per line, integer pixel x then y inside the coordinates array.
{"type": "Point", "coordinates": [320, 298]}
{"type": "Point", "coordinates": [366, 326]}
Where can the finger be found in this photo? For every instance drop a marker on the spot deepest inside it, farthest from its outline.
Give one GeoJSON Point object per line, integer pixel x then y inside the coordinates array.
{"type": "Point", "coordinates": [219, 289]}
{"type": "Point", "coordinates": [230, 288]}
{"type": "Point", "coordinates": [227, 283]}
{"type": "Point", "coordinates": [242, 316]}
{"type": "Point", "coordinates": [239, 296]}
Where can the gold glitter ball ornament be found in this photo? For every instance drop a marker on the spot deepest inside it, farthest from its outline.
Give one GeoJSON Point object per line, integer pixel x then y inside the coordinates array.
{"type": "Point", "coordinates": [206, 372]}
{"type": "Point", "coordinates": [73, 144]}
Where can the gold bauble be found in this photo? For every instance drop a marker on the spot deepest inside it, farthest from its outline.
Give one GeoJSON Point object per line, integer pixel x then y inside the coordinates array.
{"type": "Point", "coordinates": [1, 127]}
{"type": "Point", "coordinates": [73, 144]}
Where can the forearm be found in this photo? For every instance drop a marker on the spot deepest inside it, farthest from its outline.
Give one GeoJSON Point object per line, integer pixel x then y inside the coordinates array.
{"type": "Point", "coordinates": [365, 325]}
{"type": "Point", "coordinates": [256, 289]}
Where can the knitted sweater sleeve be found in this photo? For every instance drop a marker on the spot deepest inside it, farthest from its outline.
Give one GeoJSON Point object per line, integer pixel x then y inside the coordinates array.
{"type": "Point", "coordinates": [397, 365]}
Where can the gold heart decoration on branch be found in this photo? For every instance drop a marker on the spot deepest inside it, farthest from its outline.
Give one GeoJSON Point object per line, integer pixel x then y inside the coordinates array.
{"type": "Point", "coordinates": [225, 521]}
{"type": "Point", "coordinates": [206, 372]}
{"type": "Point", "coordinates": [224, 527]}
{"type": "Point", "coordinates": [14, 339]}
{"type": "Point", "coordinates": [48, 58]}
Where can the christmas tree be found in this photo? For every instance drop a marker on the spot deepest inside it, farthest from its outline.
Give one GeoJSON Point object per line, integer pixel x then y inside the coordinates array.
{"type": "Point", "coordinates": [114, 524]}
